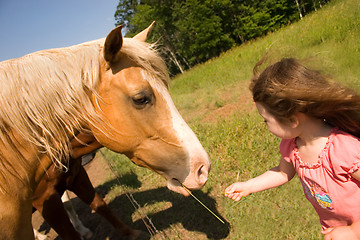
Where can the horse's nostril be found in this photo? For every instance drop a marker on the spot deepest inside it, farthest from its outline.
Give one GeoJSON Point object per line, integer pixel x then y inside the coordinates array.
{"type": "Point", "coordinates": [202, 174]}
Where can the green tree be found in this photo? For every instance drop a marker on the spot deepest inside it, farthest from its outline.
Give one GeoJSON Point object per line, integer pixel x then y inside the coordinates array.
{"type": "Point", "coordinates": [200, 35]}
{"type": "Point", "coordinates": [124, 12]}
{"type": "Point", "coordinates": [189, 32]}
{"type": "Point", "coordinates": [256, 18]}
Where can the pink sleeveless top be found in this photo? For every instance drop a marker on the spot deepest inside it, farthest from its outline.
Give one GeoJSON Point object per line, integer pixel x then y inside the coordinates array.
{"type": "Point", "coordinates": [327, 184]}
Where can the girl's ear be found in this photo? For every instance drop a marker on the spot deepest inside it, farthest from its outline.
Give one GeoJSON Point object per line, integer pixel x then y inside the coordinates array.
{"type": "Point", "coordinates": [294, 120]}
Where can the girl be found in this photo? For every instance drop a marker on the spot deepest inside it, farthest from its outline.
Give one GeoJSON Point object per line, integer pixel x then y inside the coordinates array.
{"type": "Point", "coordinates": [318, 122]}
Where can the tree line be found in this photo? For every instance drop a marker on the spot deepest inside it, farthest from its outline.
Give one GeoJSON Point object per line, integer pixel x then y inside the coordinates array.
{"type": "Point", "coordinates": [189, 32]}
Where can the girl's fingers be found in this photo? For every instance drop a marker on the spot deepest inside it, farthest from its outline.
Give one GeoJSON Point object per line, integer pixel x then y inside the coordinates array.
{"type": "Point", "coordinates": [237, 199]}
{"type": "Point", "coordinates": [229, 189]}
{"type": "Point", "coordinates": [235, 191]}
{"type": "Point", "coordinates": [235, 196]}
{"type": "Point", "coordinates": [229, 195]}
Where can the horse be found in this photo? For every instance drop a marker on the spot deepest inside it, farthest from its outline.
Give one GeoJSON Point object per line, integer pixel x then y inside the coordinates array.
{"type": "Point", "coordinates": [48, 201]}
{"type": "Point", "coordinates": [117, 89]}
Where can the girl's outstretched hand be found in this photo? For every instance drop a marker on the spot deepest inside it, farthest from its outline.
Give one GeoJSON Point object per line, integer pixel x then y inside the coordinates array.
{"type": "Point", "coordinates": [272, 178]}
{"type": "Point", "coordinates": [237, 190]}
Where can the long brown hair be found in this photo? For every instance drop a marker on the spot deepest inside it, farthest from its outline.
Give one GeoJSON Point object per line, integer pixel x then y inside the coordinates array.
{"type": "Point", "coordinates": [287, 87]}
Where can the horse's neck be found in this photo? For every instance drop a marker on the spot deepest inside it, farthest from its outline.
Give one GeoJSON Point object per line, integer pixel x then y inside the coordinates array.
{"type": "Point", "coordinates": [83, 143]}
{"type": "Point", "coordinates": [17, 185]}
{"type": "Point", "coordinates": [22, 163]}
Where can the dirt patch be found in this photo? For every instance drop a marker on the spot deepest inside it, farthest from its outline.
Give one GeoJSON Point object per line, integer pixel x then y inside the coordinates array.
{"type": "Point", "coordinates": [242, 103]}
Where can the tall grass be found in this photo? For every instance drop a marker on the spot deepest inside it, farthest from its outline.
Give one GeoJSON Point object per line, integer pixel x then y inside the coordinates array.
{"type": "Point", "coordinates": [239, 145]}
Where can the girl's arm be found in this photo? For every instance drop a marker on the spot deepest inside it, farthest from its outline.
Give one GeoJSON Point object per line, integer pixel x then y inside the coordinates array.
{"type": "Point", "coordinates": [345, 232]}
{"type": "Point", "coordinates": [276, 176]}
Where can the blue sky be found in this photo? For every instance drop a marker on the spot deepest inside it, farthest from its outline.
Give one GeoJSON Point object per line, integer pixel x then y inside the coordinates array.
{"type": "Point", "coordinates": [31, 25]}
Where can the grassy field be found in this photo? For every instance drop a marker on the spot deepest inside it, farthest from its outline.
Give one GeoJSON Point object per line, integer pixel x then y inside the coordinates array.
{"type": "Point", "coordinates": [214, 99]}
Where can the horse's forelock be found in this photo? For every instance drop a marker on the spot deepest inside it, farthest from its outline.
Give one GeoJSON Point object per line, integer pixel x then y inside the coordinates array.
{"type": "Point", "coordinates": [146, 56]}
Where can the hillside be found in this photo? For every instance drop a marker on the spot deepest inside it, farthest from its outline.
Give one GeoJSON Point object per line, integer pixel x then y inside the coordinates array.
{"type": "Point", "coordinates": [214, 99]}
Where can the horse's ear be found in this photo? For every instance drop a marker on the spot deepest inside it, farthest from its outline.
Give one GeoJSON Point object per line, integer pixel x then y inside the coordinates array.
{"type": "Point", "coordinates": [113, 44]}
{"type": "Point", "coordinates": [142, 36]}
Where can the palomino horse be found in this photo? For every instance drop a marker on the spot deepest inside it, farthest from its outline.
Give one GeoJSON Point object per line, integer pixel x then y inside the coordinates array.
{"type": "Point", "coordinates": [114, 87]}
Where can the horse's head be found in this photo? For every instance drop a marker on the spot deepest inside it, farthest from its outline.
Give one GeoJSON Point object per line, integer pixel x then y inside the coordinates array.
{"type": "Point", "coordinates": [139, 118]}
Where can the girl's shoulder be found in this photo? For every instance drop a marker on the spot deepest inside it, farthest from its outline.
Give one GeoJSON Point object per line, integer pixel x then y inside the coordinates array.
{"type": "Point", "coordinates": [343, 151]}
{"type": "Point", "coordinates": [344, 140]}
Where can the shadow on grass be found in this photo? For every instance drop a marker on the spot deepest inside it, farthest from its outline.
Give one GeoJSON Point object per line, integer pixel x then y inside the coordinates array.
{"type": "Point", "coordinates": [184, 210]}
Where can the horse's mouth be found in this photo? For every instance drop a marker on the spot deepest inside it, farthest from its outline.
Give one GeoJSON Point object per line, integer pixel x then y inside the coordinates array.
{"type": "Point", "coordinates": [175, 186]}
{"type": "Point", "coordinates": [172, 183]}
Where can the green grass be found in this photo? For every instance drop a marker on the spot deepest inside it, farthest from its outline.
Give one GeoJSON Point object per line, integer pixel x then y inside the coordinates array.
{"type": "Point", "coordinates": [238, 143]}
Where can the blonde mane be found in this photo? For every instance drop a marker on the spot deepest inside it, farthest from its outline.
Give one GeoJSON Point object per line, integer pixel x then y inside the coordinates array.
{"type": "Point", "coordinates": [44, 96]}
{"type": "Point", "coordinates": [146, 56]}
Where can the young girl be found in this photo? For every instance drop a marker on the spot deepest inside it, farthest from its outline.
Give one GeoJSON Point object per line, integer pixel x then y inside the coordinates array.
{"type": "Point", "coordinates": [318, 122]}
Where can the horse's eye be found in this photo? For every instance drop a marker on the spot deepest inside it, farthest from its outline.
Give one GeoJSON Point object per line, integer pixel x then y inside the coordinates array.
{"type": "Point", "coordinates": [141, 100]}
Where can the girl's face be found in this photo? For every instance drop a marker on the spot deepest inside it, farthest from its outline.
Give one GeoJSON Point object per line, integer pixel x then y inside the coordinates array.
{"type": "Point", "coordinates": [282, 130]}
